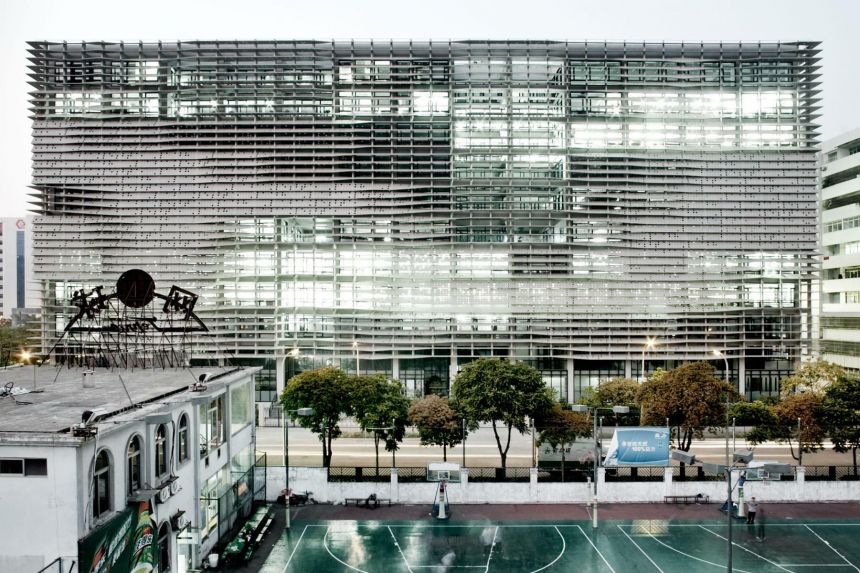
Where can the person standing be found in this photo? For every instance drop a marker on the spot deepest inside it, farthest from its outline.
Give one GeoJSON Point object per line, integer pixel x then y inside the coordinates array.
{"type": "Point", "coordinates": [752, 508]}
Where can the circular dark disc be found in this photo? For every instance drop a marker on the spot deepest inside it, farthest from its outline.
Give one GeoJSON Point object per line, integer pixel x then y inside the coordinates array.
{"type": "Point", "coordinates": [135, 288]}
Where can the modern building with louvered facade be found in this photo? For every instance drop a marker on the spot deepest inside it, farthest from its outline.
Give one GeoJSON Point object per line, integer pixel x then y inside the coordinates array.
{"type": "Point", "coordinates": [409, 206]}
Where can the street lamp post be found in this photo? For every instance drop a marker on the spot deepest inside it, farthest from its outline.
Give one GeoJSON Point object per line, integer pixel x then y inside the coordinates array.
{"type": "Point", "coordinates": [582, 408]}
{"type": "Point", "coordinates": [650, 342]}
{"type": "Point", "coordinates": [355, 349]}
{"type": "Point", "coordinates": [300, 412]}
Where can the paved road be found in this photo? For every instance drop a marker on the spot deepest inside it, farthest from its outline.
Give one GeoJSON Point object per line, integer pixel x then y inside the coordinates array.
{"type": "Point", "coordinates": [481, 450]}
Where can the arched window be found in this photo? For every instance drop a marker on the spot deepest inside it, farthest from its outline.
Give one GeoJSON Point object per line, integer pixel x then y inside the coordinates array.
{"type": "Point", "coordinates": [101, 487]}
{"type": "Point", "coordinates": [182, 438]}
{"type": "Point", "coordinates": [135, 477]}
{"type": "Point", "coordinates": [164, 548]}
{"type": "Point", "coordinates": [160, 451]}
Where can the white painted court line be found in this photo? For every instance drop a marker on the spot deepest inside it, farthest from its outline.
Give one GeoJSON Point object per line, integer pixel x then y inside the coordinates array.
{"type": "Point", "coordinates": [563, 549]}
{"type": "Point", "coordinates": [739, 546]}
{"type": "Point", "coordinates": [827, 543]}
{"type": "Point", "coordinates": [596, 549]}
{"type": "Point", "coordinates": [325, 544]}
{"type": "Point", "coordinates": [492, 546]}
{"type": "Point", "coordinates": [397, 545]}
{"type": "Point", "coordinates": [693, 557]}
{"type": "Point", "coordinates": [648, 557]}
{"type": "Point", "coordinates": [295, 549]}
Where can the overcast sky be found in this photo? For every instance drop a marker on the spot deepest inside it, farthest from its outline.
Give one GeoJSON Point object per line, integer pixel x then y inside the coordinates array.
{"type": "Point", "coordinates": [834, 22]}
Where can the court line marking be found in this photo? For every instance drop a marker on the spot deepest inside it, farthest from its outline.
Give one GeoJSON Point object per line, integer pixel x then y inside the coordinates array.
{"type": "Point", "coordinates": [563, 549]}
{"type": "Point", "coordinates": [492, 546]}
{"type": "Point", "coordinates": [648, 557]}
{"type": "Point", "coordinates": [325, 544]}
{"type": "Point", "coordinates": [827, 543]}
{"type": "Point", "coordinates": [397, 545]}
{"type": "Point", "coordinates": [295, 549]}
{"type": "Point", "coordinates": [720, 565]}
{"type": "Point", "coordinates": [596, 549]}
{"type": "Point", "coordinates": [739, 546]}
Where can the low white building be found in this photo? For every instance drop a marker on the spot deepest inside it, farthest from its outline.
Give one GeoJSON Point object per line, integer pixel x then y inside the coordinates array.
{"type": "Point", "coordinates": [69, 490]}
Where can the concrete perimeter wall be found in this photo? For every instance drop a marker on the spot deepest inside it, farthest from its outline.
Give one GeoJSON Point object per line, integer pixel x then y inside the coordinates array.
{"type": "Point", "coordinates": [534, 491]}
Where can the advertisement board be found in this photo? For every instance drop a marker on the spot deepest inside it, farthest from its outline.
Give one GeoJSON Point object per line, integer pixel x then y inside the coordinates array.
{"type": "Point", "coordinates": [125, 544]}
{"type": "Point", "coordinates": [638, 447]}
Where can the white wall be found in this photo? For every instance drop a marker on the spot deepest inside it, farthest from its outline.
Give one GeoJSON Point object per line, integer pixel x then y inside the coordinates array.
{"type": "Point", "coordinates": [314, 479]}
{"type": "Point", "coordinates": [38, 514]}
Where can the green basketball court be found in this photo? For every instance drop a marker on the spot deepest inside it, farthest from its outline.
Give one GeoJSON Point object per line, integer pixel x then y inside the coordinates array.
{"type": "Point", "coordinates": [660, 546]}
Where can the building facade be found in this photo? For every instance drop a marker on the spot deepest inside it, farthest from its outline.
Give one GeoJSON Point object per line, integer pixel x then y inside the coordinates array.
{"type": "Point", "coordinates": [406, 207]}
{"type": "Point", "coordinates": [190, 454]}
{"type": "Point", "coordinates": [840, 249]}
{"type": "Point", "coordinates": [19, 292]}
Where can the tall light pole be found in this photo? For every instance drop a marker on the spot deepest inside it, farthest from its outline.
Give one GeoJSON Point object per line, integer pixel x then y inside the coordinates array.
{"type": "Point", "coordinates": [355, 349]}
{"type": "Point", "coordinates": [722, 355]}
{"type": "Point", "coordinates": [650, 343]}
{"type": "Point", "coordinates": [300, 412]}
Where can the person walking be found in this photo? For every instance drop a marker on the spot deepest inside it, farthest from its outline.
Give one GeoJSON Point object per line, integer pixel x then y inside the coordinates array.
{"type": "Point", "coordinates": [752, 508]}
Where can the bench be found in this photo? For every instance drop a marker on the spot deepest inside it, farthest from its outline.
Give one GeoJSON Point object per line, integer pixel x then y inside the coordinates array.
{"type": "Point", "coordinates": [370, 502]}
{"type": "Point", "coordinates": [686, 499]}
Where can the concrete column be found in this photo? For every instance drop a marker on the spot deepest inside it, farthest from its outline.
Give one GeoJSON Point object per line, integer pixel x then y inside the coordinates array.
{"type": "Point", "coordinates": [395, 368]}
{"type": "Point", "coordinates": [280, 372]}
{"type": "Point", "coordinates": [452, 369]}
{"type": "Point", "coordinates": [464, 484]}
{"type": "Point", "coordinates": [667, 480]}
{"type": "Point", "coordinates": [628, 369]}
{"type": "Point", "coordinates": [395, 487]}
{"type": "Point", "coordinates": [800, 483]}
{"type": "Point", "coordinates": [742, 376]}
{"type": "Point", "coordinates": [570, 397]}
{"type": "Point", "coordinates": [601, 481]}
{"type": "Point", "coordinates": [533, 485]}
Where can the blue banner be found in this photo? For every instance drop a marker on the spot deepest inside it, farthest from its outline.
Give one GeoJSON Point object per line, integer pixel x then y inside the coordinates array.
{"type": "Point", "coordinates": [638, 447]}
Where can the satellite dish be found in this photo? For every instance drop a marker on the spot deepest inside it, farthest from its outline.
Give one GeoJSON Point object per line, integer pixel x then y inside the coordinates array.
{"type": "Point", "coordinates": [135, 288]}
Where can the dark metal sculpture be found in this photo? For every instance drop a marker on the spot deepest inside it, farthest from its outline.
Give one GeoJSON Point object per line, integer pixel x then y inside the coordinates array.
{"type": "Point", "coordinates": [126, 328]}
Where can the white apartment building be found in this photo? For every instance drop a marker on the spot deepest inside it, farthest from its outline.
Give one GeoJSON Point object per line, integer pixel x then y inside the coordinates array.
{"type": "Point", "coordinates": [70, 491]}
{"type": "Point", "coordinates": [840, 246]}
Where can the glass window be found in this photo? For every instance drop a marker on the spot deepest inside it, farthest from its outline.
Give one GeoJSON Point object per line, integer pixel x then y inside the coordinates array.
{"type": "Point", "coordinates": [102, 484]}
{"type": "Point", "coordinates": [160, 450]}
{"type": "Point", "coordinates": [240, 407]}
{"type": "Point", "coordinates": [164, 548]}
{"type": "Point", "coordinates": [134, 464]}
{"type": "Point", "coordinates": [212, 425]}
{"type": "Point", "coordinates": [182, 439]}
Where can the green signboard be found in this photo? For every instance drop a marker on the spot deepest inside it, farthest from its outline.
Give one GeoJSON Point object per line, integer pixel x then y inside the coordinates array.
{"type": "Point", "coordinates": [125, 544]}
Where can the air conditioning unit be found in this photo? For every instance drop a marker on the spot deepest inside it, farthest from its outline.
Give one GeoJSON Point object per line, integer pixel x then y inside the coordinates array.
{"type": "Point", "coordinates": [163, 494]}
{"type": "Point", "coordinates": [180, 521]}
{"type": "Point", "coordinates": [174, 487]}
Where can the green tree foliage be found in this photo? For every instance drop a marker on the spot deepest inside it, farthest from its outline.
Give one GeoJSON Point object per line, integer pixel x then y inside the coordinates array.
{"type": "Point", "coordinates": [755, 413]}
{"type": "Point", "coordinates": [13, 339]}
{"type": "Point", "coordinates": [813, 376]}
{"type": "Point", "coordinates": [559, 427]}
{"type": "Point", "coordinates": [437, 423]}
{"type": "Point", "coordinates": [379, 403]}
{"type": "Point", "coordinates": [840, 414]}
{"type": "Point", "coordinates": [690, 396]}
{"type": "Point", "coordinates": [612, 392]}
{"type": "Point", "coordinates": [327, 391]}
{"type": "Point", "coordinates": [782, 426]}
{"type": "Point", "coordinates": [502, 393]}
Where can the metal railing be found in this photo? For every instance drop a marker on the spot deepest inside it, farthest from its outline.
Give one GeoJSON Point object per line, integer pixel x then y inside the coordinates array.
{"type": "Point", "coordinates": [694, 473]}
{"type": "Point", "coordinates": [499, 474]}
{"type": "Point", "coordinates": [635, 474]}
{"type": "Point", "coordinates": [359, 473]}
{"type": "Point", "coordinates": [832, 473]}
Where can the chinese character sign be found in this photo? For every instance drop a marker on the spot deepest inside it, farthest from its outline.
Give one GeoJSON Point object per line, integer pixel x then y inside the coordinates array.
{"type": "Point", "coordinates": [638, 447]}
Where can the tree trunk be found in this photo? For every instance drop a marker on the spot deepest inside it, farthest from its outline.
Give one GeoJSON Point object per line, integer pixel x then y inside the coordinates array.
{"type": "Point", "coordinates": [376, 445]}
{"type": "Point", "coordinates": [444, 452]}
{"type": "Point", "coordinates": [562, 463]}
{"type": "Point", "coordinates": [503, 453]}
{"type": "Point", "coordinates": [854, 454]}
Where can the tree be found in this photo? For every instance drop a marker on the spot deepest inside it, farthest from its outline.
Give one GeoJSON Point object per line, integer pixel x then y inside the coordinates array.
{"type": "Point", "coordinates": [559, 427]}
{"type": "Point", "coordinates": [612, 392]}
{"type": "Point", "coordinates": [782, 426]}
{"type": "Point", "coordinates": [326, 390]}
{"type": "Point", "coordinates": [690, 397]}
{"type": "Point", "coordinates": [502, 393]}
{"type": "Point", "coordinates": [840, 415]}
{"type": "Point", "coordinates": [12, 340]}
{"type": "Point", "coordinates": [379, 406]}
{"type": "Point", "coordinates": [437, 423]}
{"type": "Point", "coordinates": [813, 376]}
